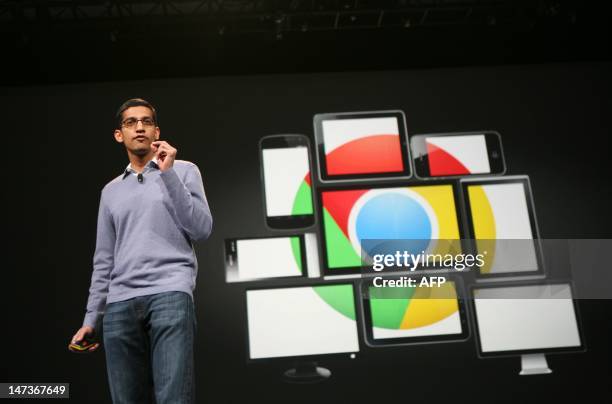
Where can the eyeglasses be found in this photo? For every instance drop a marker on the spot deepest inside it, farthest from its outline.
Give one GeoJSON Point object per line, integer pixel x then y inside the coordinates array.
{"type": "Point", "coordinates": [132, 122]}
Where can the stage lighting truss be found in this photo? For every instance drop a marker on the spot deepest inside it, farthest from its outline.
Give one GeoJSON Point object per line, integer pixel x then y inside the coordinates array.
{"type": "Point", "coordinates": [227, 17]}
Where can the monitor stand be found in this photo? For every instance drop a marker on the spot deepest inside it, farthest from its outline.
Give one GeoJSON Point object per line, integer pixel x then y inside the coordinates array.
{"type": "Point", "coordinates": [534, 364]}
{"type": "Point", "coordinates": [306, 372]}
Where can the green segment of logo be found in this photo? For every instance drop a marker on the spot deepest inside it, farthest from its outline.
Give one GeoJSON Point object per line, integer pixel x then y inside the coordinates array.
{"type": "Point", "coordinates": [297, 252]}
{"type": "Point", "coordinates": [340, 252]}
{"type": "Point", "coordinates": [302, 205]}
{"type": "Point", "coordinates": [339, 297]}
{"type": "Point", "coordinates": [389, 313]}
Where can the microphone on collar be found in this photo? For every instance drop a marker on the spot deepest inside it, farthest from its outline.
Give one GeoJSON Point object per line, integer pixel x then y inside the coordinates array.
{"type": "Point", "coordinates": [140, 178]}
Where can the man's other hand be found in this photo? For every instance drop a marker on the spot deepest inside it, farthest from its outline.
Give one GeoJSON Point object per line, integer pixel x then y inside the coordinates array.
{"type": "Point", "coordinates": [80, 335]}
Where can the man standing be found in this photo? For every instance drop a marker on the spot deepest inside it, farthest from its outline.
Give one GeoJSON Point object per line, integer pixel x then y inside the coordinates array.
{"type": "Point", "coordinates": [145, 266]}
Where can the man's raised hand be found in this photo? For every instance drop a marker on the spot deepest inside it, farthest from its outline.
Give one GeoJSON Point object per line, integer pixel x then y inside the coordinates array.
{"type": "Point", "coordinates": [164, 153]}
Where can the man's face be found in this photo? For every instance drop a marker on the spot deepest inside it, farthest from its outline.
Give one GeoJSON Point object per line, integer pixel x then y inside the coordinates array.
{"type": "Point", "coordinates": [138, 130]}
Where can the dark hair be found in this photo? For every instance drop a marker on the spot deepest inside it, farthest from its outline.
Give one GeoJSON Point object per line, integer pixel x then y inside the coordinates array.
{"type": "Point", "coordinates": [134, 102]}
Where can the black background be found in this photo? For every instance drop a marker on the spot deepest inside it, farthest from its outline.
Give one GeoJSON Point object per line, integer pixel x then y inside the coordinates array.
{"type": "Point", "coordinates": [59, 152]}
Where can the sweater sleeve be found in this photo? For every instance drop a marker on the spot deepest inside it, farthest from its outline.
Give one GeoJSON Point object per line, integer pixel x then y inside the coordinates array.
{"type": "Point", "coordinates": [189, 201]}
{"type": "Point", "coordinates": [102, 266]}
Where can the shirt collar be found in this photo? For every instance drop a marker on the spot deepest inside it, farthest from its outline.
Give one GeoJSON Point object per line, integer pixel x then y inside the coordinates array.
{"type": "Point", "coordinates": [151, 164]}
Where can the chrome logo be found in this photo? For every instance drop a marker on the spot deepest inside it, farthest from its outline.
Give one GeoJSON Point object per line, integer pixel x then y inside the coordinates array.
{"type": "Point", "coordinates": [393, 214]}
{"type": "Point", "coordinates": [421, 213]}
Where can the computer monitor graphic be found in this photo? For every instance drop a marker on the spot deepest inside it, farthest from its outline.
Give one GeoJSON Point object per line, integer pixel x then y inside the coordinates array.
{"type": "Point", "coordinates": [527, 320]}
{"type": "Point", "coordinates": [303, 323]}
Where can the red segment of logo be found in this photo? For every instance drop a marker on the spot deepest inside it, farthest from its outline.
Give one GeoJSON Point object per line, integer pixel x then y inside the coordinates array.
{"type": "Point", "coordinates": [443, 163]}
{"type": "Point", "coordinates": [368, 155]}
{"type": "Point", "coordinates": [339, 205]}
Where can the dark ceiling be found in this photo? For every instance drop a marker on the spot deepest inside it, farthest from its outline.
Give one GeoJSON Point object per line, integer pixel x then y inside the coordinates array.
{"type": "Point", "coordinates": [48, 42]}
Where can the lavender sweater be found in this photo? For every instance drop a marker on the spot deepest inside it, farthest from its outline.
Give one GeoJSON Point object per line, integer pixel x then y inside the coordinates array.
{"type": "Point", "coordinates": [145, 235]}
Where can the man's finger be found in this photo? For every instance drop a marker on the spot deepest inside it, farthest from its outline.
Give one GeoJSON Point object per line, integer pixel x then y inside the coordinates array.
{"type": "Point", "coordinates": [163, 145]}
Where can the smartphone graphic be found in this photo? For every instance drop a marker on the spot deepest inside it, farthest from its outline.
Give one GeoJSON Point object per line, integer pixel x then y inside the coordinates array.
{"type": "Point", "coordinates": [457, 154]}
{"type": "Point", "coordinates": [286, 178]}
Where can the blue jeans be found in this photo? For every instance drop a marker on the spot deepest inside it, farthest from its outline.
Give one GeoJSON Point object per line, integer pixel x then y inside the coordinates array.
{"type": "Point", "coordinates": [149, 349]}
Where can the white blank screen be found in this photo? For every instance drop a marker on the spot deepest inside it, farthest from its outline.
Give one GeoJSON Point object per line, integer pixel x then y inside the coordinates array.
{"type": "Point", "coordinates": [511, 223]}
{"type": "Point", "coordinates": [284, 172]}
{"type": "Point", "coordinates": [266, 258]}
{"type": "Point", "coordinates": [526, 317]}
{"type": "Point", "coordinates": [296, 322]}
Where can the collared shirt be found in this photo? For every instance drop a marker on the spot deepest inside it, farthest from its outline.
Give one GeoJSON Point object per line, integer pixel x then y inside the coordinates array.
{"type": "Point", "coordinates": [152, 164]}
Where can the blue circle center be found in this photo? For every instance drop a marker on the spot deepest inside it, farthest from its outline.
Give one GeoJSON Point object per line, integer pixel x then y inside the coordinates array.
{"type": "Point", "coordinates": [394, 216]}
